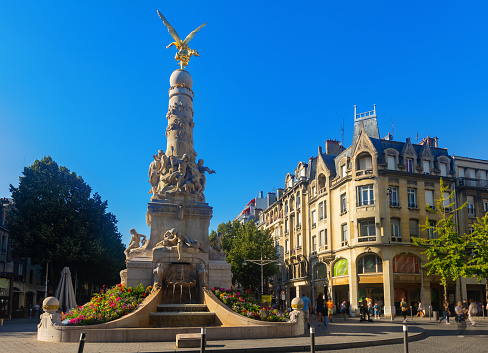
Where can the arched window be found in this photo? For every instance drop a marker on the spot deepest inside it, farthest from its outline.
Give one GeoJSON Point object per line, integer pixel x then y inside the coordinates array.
{"type": "Point", "coordinates": [341, 268]}
{"type": "Point", "coordinates": [364, 162]}
{"type": "Point", "coordinates": [370, 264]}
{"type": "Point", "coordinates": [320, 271]}
{"type": "Point", "coordinates": [406, 264]}
{"type": "Point", "coordinates": [321, 181]}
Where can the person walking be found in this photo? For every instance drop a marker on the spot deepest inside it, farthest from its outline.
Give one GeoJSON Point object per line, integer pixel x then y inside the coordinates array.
{"type": "Point", "coordinates": [330, 309]}
{"type": "Point", "coordinates": [343, 310]}
{"type": "Point", "coordinates": [472, 311]}
{"type": "Point", "coordinates": [420, 310]}
{"type": "Point", "coordinates": [306, 309]}
{"type": "Point", "coordinates": [445, 312]}
{"type": "Point", "coordinates": [319, 304]}
{"type": "Point", "coordinates": [404, 307]}
{"type": "Point", "coordinates": [376, 308]}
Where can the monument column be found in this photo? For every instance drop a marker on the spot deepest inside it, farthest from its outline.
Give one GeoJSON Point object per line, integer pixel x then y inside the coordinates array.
{"type": "Point", "coordinates": [179, 131]}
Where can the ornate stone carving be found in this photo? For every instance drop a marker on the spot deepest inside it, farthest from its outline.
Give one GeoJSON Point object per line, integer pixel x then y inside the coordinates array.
{"type": "Point", "coordinates": [214, 266]}
{"type": "Point", "coordinates": [180, 211]}
{"type": "Point", "coordinates": [202, 275]}
{"type": "Point", "coordinates": [173, 238]}
{"type": "Point", "coordinates": [134, 246]}
{"type": "Point", "coordinates": [177, 175]}
{"type": "Point", "coordinates": [139, 264]}
{"type": "Point", "coordinates": [123, 277]}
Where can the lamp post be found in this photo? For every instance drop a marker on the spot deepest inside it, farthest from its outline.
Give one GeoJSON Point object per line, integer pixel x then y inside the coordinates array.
{"type": "Point", "coordinates": [262, 263]}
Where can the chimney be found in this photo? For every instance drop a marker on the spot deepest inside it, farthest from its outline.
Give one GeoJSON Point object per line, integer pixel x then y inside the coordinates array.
{"type": "Point", "coordinates": [333, 147]}
{"type": "Point", "coordinates": [279, 193]}
{"type": "Point", "coordinates": [431, 141]}
{"type": "Point", "coordinates": [271, 198]}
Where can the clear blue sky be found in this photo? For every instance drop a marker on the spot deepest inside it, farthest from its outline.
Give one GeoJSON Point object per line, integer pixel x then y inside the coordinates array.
{"type": "Point", "coordinates": [86, 82]}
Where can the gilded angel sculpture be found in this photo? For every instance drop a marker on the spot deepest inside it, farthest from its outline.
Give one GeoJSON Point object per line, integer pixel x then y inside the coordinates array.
{"type": "Point", "coordinates": [184, 52]}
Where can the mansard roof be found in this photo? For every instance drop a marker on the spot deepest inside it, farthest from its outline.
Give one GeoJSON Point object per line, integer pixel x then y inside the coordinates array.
{"type": "Point", "coordinates": [382, 145]}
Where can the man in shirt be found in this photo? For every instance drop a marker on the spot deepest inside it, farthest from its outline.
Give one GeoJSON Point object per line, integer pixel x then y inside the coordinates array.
{"type": "Point", "coordinates": [330, 309]}
{"type": "Point", "coordinates": [472, 311]}
{"type": "Point", "coordinates": [306, 309]}
{"type": "Point", "coordinates": [404, 307]}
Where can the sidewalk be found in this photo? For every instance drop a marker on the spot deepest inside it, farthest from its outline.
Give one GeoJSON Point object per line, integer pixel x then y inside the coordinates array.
{"type": "Point", "coordinates": [20, 336]}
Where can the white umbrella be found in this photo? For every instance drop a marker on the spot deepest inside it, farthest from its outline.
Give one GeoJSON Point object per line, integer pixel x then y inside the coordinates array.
{"type": "Point", "coordinates": [65, 292]}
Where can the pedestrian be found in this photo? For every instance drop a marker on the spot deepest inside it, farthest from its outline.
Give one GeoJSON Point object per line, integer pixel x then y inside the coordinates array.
{"type": "Point", "coordinates": [376, 308]}
{"type": "Point", "coordinates": [445, 312]}
{"type": "Point", "coordinates": [472, 311]}
{"type": "Point", "coordinates": [480, 308]}
{"type": "Point", "coordinates": [460, 312]}
{"type": "Point", "coordinates": [330, 309]}
{"type": "Point", "coordinates": [343, 310]}
{"type": "Point", "coordinates": [404, 307]}
{"type": "Point", "coordinates": [370, 308]}
{"type": "Point", "coordinates": [319, 304]}
{"type": "Point", "coordinates": [420, 310]}
{"type": "Point", "coordinates": [306, 308]}
{"type": "Point", "coordinates": [363, 309]}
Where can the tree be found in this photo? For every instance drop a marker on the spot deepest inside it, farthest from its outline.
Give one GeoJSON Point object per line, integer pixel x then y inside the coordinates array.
{"type": "Point", "coordinates": [246, 242]}
{"type": "Point", "coordinates": [55, 220]}
{"type": "Point", "coordinates": [478, 241]}
{"type": "Point", "coordinates": [446, 250]}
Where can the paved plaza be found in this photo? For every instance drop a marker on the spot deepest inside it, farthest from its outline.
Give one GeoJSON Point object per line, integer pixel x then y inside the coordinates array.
{"type": "Point", "coordinates": [349, 336]}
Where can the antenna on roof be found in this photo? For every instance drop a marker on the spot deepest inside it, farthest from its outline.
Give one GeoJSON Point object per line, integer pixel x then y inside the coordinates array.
{"type": "Point", "coordinates": [392, 130]}
{"type": "Point", "coordinates": [417, 138]}
{"type": "Point", "coordinates": [342, 132]}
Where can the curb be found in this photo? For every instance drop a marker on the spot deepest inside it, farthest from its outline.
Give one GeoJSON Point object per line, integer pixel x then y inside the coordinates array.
{"type": "Point", "coordinates": [305, 348]}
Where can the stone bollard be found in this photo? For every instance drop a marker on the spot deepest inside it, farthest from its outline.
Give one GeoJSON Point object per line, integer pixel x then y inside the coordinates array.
{"type": "Point", "coordinates": [297, 314]}
{"type": "Point", "coordinates": [50, 319]}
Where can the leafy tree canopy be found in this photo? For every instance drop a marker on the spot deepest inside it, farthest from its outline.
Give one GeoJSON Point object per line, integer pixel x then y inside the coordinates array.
{"type": "Point", "coordinates": [247, 242]}
{"type": "Point", "coordinates": [478, 242]}
{"type": "Point", "coordinates": [446, 249]}
{"type": "Point", "coordinates": [56, 220]}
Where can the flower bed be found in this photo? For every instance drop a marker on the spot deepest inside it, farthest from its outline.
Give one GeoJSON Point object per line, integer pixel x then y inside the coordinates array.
{"type": "Point", "coordinates": [242, 302]}
{"type": "Point", "coordinates": [107, 305]}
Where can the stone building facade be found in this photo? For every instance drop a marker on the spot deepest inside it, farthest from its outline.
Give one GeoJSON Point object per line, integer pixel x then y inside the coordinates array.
{"type": "Point", "coordinates": [344, 221]}
{"type": "Point", "coordinates": [20, 279]}
{"type": "Point", "coordinates": [472, 189]}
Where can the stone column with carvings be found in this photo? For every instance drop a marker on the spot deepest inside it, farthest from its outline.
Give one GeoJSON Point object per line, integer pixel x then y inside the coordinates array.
{"type": "Point", "coordinates": [179, 131]}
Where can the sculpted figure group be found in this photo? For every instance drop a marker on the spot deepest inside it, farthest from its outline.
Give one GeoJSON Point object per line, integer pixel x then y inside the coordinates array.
{"type": "Point", "coordinates": [180, 240]}
{"type": "Point", "coordinates": [172, 174]}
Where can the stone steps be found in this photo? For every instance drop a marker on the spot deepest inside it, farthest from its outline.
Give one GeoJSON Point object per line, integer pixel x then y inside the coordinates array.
{"type": "Point", "coordinates": [182, 308]}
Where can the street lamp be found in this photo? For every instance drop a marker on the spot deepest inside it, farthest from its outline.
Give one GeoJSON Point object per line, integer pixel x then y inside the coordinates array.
{"type": "Point", "coordinates": [262, 263]}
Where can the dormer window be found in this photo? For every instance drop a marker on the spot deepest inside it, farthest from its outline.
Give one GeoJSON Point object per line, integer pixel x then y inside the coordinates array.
{"type": "Point", "coordinates": [343, 171]}
{"type": "Point", "coordinates": [409, 165]}
{"type": "Point", "coordinates": [290, 183]}
{"type": "Point", "coordinates": [302, 172]}
{"type": "Point", "coordinates": [365, 162]}
{"type": "Point", "coordinates": [391, 163]}
{"type": "Point", "coordinates": [426, 165]}
{"type": "Point", "coordinates": [443, 168]}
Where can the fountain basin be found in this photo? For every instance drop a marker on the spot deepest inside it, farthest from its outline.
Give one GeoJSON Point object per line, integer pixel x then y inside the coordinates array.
{"type": "Point", "coordinates": [182, 319]}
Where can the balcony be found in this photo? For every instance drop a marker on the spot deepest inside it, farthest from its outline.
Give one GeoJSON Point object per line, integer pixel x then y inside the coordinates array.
{"type": "Point", "coordinates": [365, 239]}
{"type": "Point", "coordinates": [473, 183]}
{"type": "Point", "coordinates": [323, 248]}
{"type": "Point", "coordinates": [365, 172]}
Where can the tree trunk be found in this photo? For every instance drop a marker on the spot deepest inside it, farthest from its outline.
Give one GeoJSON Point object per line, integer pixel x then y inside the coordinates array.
{"type": "Point", "coordinates": [445, 292]}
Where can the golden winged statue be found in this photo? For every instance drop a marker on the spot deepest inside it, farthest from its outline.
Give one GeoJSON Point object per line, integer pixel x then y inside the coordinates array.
{"type": "Point", "coordinates": [184, 51]}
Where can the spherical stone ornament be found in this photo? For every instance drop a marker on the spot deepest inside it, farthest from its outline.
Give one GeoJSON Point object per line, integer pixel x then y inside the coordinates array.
{"type": "Point", "coordinates": [297, 303]}
{"type": "Point", "coordinates": [50, 305]}
{"type": "Point", "coordinates": [181, 78]}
